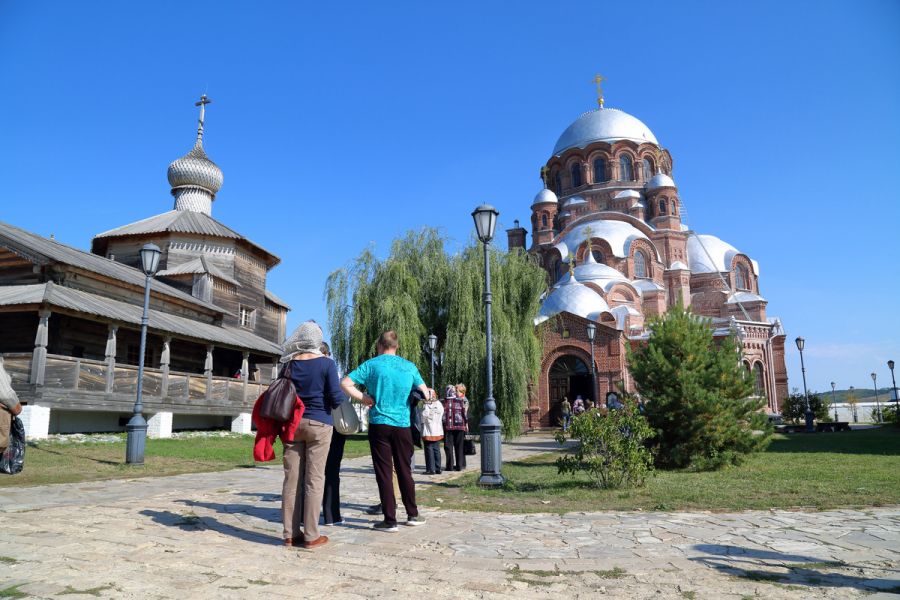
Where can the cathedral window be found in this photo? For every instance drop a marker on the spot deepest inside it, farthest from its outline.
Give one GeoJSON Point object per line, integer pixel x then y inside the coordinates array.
{"type": "Point", "coordinates": [626, 168]}
{"type": "Point", "coordinates": [741, 278]}
{"type": "Point", "coordinates": [663, 209]}
{"type": "Point", "coordinates": [576, 175]}
{"type": "Point", "coordinates": [599, 170]}
{"type": "Point", "coordinates": [759, 381]}
{"type": "Point", "coordinates": [557, 182]}
{"type": "Point", "coordinates": [648, 169]}
{"type": "Point", "coordinates": [598, 256]}
{"type": "Point", "coordinates": [640, 264]}
{"type": "Point", "coordinates": [544, 221]}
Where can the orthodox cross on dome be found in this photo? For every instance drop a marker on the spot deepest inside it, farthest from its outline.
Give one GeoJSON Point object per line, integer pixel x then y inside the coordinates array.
{"type": "Point", "coordinates": [544, 172]}
{"type": "Point", "coordinates": [204, 100]}
{"type": "Point", "coordinates": [599, 79]}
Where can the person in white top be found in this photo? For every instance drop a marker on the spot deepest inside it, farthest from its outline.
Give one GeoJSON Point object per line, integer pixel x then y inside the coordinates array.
{"type": "Point", "coordinates": [432, 413]}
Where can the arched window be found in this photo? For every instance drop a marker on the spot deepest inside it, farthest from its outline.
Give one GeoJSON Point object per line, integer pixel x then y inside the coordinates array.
{"type": "Point", "coordinates": [758, 380]}
{"type": "Point", "coordinates": [640, 264]}
{"type": "Point", "coordinates": [544, 220]}
{"type": "Point", "coordinates": [626, 168]}
{"type": "Point", "coordinates": [648, 169]}
{"type": "Point", "coordinates": [741, 278]}
{"type": "Point", "coordinates": [598, 256]}
{"type": "Point", "coordinates": [663, 209]}
{"type": "Point", "coordinates": [576, 175]}
{"type": "Point", "coordinates": [599, 170]}
{"type": "Point", "coordinates": [557, 270]}
{"type": "Point", "coordinates": [557, 182]}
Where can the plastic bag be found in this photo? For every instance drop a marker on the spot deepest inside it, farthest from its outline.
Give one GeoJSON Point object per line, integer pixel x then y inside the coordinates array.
{"type": "Point", "coordinates": [12, 460]}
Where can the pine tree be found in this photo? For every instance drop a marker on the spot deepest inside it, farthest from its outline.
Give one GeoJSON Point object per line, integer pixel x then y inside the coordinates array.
{"type": "Point", "coordinates": [697, 396]}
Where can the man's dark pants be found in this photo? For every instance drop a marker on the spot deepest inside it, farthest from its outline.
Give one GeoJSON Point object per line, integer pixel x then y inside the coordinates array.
{"type": "Point", "coordinates": [391, 448]}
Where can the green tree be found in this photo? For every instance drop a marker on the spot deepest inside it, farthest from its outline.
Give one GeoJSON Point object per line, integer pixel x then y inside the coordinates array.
{"type": "Point", "coordinates": [793, 408]}
{"type": "Point", "coordinates": [698, 398]}
{"type": "Point", "coordinates": [418, 289]}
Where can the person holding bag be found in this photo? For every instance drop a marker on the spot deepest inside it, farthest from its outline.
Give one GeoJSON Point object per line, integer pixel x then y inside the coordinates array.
{"type": "Point", "coordinates": [9, 406]}
{"type": "Point", "coordinates": [432, 413]}
{"type": "Point", "coordinates": [456, 424]}
{"type": "Point", "coordinates": [317, 383]}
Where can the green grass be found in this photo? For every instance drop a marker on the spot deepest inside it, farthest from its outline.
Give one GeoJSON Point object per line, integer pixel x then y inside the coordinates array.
{"type": "Point", "coordinates": [546, 577]}
{"type": "Point", "coordinates": [61, 462]}
{"type": "Point", "coordinates": [13, 592]}
{"type": "Point", "coordinates": [819, 471]}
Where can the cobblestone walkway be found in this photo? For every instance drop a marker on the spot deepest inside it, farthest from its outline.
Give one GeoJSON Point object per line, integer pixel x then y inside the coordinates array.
{"type": "Point", "coordinates": [217, 535]}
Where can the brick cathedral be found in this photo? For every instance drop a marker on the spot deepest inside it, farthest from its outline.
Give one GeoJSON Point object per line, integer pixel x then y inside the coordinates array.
{"type": "Point", "coordinates": [607, 227]}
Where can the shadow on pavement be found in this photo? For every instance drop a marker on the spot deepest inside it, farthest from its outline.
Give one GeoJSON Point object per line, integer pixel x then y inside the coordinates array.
{"type": "Point", "coordinates": [194, 523]}
{"type": "Point", "coordinates": [787, 569]}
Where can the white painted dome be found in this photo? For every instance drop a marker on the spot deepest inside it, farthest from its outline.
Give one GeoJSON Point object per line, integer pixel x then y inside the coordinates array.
{"type": "Point", "coordinates": [618, 234]}
{"type": "Point", "coordinates": [712, 256]}
{"type": "Point", "coordinates": [660, 180]}
{"type": "Point", "coordinates": [545, 196]}
{"type": "Point", "coordinates": [598, 273]}
{"type": "Point", "coordinates": [603, 125]}
{"type": "Point", "coordinates": [573, 297]}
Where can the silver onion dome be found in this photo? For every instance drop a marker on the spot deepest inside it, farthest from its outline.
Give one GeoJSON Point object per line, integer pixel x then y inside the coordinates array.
{"type": "Point", "coordinates": [195, 169]}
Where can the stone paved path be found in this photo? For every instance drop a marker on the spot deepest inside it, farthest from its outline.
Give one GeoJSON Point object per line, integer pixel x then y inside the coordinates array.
{"type": "Point", "coordinates": [217, 535]}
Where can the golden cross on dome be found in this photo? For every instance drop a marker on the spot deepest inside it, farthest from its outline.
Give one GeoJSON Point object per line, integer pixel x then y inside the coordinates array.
{"type": "Point", "coordinates": [204, 100]}
{"type": "Point", "coordinates": [599, 79]}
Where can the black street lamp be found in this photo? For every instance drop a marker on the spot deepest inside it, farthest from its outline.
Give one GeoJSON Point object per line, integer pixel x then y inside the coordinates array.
{"type": "Point", "coordinates": [851, 394]}
{"type": "Point", "coordinates": [592, 333]}
{"type": "Point", "coordinates": [834, 403]}
{"type": "Point", "coordinates": [809, 415]}
{"type": "Point", "coordinates": [137, 425]}
{"type": "Point", "coordinates": [485, 217]}
{"type": "Point", "coordinates": [432, 346]}
{"type": "Point", "coordinates": [894, 385]}
{"type": "Point", "coordinates": [877, 401]}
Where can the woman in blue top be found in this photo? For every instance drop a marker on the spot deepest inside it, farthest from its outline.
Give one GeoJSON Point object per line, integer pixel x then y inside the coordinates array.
{"type": "Point", "coordinates": [317, 383]}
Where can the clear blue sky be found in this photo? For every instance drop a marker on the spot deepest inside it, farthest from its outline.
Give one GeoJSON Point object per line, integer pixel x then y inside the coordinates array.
{"type": "Point", "coordinates": [340, 124]}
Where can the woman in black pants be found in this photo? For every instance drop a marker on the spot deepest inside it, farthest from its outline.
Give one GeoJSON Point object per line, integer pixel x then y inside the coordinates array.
{"type": "Point", "coordinates": [455, 426]}
{"type": "Point", "coordinates": [331, 499]}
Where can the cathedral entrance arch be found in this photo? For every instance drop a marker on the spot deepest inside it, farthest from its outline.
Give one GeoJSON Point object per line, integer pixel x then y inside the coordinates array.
{"type": "Point", "coordinates": [569, 377]}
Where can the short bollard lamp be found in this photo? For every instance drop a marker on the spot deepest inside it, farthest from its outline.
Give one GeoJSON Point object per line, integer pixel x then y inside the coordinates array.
{"type": "Point", "coordinates": [137, 425]}
{"type": "Point", "coordinates": [801, 343]}
{"type": "Point", "coordinates": [485, 217]}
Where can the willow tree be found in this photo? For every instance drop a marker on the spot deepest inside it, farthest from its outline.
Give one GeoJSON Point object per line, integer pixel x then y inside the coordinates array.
{"type": "Point", "coordinates": [418, 289]}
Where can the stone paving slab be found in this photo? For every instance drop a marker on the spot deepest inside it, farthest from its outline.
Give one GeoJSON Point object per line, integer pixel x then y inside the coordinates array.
{"type": "Point", "coordinates": [217, 535]}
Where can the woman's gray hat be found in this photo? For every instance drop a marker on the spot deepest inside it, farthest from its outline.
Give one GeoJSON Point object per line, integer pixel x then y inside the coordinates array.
{"type": "Point", "coordinates": [306, 338]}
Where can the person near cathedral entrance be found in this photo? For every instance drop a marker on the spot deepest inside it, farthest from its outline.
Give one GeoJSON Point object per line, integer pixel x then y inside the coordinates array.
{"type": "Point", "coordinates": [566, 411]}
{"type": "Point", "coordinates": [578, 407]}
{"type": "Point", "coordinates": [388, 379]}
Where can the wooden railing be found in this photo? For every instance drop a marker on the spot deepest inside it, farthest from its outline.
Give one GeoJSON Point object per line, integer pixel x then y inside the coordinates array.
{"type": "Point", "coordinates": [87, 377]}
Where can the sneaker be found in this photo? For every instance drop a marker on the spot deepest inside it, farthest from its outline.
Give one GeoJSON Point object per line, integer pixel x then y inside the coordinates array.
{"type": "Point", "coordinates": [341, 522]}
{"type": "Point", "coordinates": [375, 509]}
{"type": "Point", "coordinates": [385, 526]}
{"type": "Point", "coordinates": [415, 521]}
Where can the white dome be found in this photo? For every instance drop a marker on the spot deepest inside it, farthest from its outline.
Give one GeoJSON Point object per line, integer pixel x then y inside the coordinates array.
{"type": "Point", "coordinates": [603, 125]}
{"type": "Point", "coordinates": [626, 194]}
{"type": "Point", "coordinates": [599, 273]}
{"type": "Point", "coordinates": [573, 297]}
{"type": "Point", "coordinates": [545, 196]}
{"type": "Point", "coordinates": [660, 180]}
{"type": "Point", "coordinates": [617, 234]}
{"type": "Point", "coordinates": [713, 256]}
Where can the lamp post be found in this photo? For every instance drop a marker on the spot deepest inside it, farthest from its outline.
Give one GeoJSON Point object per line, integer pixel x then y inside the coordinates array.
{"type": "Point", "coordinates": [851, 394]}
{"type": "Point", "coordinates": [592, 333]}
{"type": "Point", "coordinates": [137, 425]}
{"type": "Point", "coordinates": [894, 386]}
{"type": "Point", "coordinates": [877, 401]}
{"type": "Point", "coordinates": [485, 217]}
{"type": "Point", "coordinates": [432, 346]}
{"type": "Point", "coordinates": [809, 415]}
{"type": "Point", "coordinates": [834, 403]}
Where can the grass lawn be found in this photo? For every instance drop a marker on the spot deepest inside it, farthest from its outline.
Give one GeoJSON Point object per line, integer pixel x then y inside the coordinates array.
{"type": "Point", "coordinates": [819, 471]}
{"type": "Point", "coordinates": [66, 462]}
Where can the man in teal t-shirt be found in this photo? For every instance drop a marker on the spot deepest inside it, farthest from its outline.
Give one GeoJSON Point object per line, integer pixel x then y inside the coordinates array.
{"type": "Point", "coordinates": [389, 379]}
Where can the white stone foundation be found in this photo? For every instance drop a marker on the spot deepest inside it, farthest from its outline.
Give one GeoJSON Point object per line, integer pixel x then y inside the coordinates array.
{"type": "Point", "coordinates": [160, 425]}
{"type": "Point", "coordinates": [241, 423]}
{"type": "Point", "coordinates": [36, 420]}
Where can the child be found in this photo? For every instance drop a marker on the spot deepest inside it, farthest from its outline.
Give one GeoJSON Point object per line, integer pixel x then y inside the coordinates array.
{"type": "Point", "coordinates": [432, 413]}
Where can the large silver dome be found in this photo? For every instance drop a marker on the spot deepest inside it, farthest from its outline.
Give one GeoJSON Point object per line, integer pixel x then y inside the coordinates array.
{"type": "Point", "coordinates": [603, 125]}
{"type": "Point", "coordinates": [196, 170]}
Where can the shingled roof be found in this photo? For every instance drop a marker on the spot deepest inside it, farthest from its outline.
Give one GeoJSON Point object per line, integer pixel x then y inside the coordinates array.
{"type": "Point", "coordinates": [179, 221]}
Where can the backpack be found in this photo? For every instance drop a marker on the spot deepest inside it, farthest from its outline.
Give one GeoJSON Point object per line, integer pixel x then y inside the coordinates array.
{"type": "Point", "coordinates": [280, 399]}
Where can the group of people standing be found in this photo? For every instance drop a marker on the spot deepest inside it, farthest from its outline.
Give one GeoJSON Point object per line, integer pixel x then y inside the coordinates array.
{"type": "Point", "coordinates": [313, 450]}
{"type": "Point", "coordinates": [568, 410]}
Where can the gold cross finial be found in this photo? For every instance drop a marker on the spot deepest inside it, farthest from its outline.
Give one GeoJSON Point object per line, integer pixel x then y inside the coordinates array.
{"type": "Point", "coordinates": [572, 267]}
{"type": "Point", "coordinates": [204, 100]}
{"type": "Point", "coordinates": [599, 79]}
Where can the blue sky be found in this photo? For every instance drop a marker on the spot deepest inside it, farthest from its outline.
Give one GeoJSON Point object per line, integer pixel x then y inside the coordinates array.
{"type": "Point", "coordinates": [342, 124]}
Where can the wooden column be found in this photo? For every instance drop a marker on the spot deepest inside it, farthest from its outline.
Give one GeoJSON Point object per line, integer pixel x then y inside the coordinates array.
{"type": "Point", "coordinates": [39, 356]}
{"type": "Point", "coordinates": [111, 357]}
{"type": "Point", "coordinates": [207, 370]}
{"type": "Point", "coordinates": [245, 374]}
{"type": "Point", "coordinates": [164, 358]}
